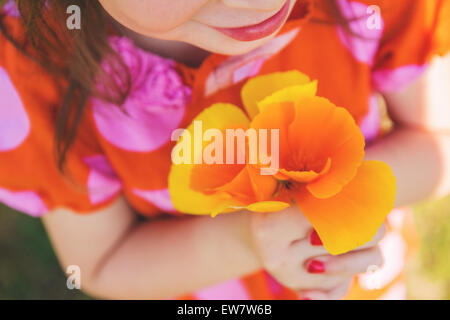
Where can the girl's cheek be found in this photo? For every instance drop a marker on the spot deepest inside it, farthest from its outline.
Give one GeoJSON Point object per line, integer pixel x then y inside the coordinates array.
{"type": "Point", "coordinates": [153, 15]}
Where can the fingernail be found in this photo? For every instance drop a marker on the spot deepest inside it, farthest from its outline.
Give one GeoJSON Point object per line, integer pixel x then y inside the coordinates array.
{"type": "Point", "coordinates": [315, 266]}
{"type": "Point", "coordinates": [314, 239]}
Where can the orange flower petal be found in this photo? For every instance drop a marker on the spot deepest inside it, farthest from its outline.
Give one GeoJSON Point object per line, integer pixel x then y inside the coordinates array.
{"type": "Point", "coordinates": [279, 119]}
{"type": "Point", "coordinates": [305, 176]}
{"type": "Point", "coordinates": [352, 217]}
{"type": "Point", "coordinates": [250, 186]}
{"type": "Point", "coordinates": [240, 187]}
{"type": "Point", "coordinates": [322, 131]}
{"type": "Point", "coordinates": [208, 177]}
{"type": "Point", "coordinates": [264, 186]}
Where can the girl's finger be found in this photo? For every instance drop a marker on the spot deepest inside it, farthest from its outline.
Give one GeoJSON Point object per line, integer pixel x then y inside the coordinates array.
{"type": "Point", "coordinates": [296, 276]}
{"type": "Point", "coordinates": [348, 264]}
{"type": "Point", "coordinates": [304, 249]}
{"type": "Point", "coordinates": [341, 291]}
{"type": "Point", "coordinates": [311, 245]}
{"type": "Point", "coordinates": [337, 293]}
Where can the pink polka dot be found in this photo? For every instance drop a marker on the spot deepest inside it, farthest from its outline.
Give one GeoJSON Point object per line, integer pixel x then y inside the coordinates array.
{"type": "Point", "coordinates": [241, 67]}
{"type": "Point", "coordinates": [363, 42]}
{"type": "Point", "coordinates": [390, 80]}
{"type": "Point", "coordinates": [14, 121]}
{"type": "Point", "coordinates": [248, 70]}
{"type": "Point", "coordinates": [159, 198]}
{"type": "Point", "coordinates": [11, 9]}
{"type": "Point", "coordinates": [230, 290]}
{"type": "Point", "coordinates": [370, 124]}
{"type": "Point", "coordinates": [139, 134]}
{"type": "Point", "coordinates": [28, 202]}
{"type": "Point", "coordinates": [102, 182]}
{"type": "Point", "coordinates": [154, 107]}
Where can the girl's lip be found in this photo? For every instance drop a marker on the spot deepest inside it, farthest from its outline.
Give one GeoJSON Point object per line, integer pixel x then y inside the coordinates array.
{"type": "Point", "coordinates": [260, 30]}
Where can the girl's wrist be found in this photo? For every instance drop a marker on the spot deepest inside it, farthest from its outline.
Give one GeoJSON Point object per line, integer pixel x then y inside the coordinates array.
{"type": "Point", "coordinates": [245, 219]}
{"type": "Point", "coordinates": [234, 241]}
{"type": "Point", "coordinates": [240, 223]}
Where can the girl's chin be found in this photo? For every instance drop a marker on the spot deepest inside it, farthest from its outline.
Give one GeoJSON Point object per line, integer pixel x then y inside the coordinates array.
{"type": "Point", "coordinates": [228, 46]}
{"type": "Point", "coordinates": [199, 36]}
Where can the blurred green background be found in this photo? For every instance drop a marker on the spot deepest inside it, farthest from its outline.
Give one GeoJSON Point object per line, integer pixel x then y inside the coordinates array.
{"type": "Point", "coordinates": [29, 268]}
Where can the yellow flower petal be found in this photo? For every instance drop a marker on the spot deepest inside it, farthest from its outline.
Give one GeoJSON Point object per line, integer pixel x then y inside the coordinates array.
{"type": "Point", "coordinates": [189, 201]}
{"type": "Point", "coordinates": [351, 218]}
{"type": "Point", "coordinates": [293, 93]}
{"type": "Point", "coordinates": [226, 207]}
{"type": "Point", "coordinates": [256, 89]}
{"type": "Point", "coordinates": [221, 116]}
{"type": "Point", "coordinates": [268, 206]}
{"type": "Point", "coordinates": [218, 116]}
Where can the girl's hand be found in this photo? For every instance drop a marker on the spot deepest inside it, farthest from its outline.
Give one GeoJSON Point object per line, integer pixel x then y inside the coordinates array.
{"type": "Point", "coordinates": [291, 251]}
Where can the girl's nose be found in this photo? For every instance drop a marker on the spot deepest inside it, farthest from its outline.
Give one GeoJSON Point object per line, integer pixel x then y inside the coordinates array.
{"type": "Point", "coordinates": [263, 5]}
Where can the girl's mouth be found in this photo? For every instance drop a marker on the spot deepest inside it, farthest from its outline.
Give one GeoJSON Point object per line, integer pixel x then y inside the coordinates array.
{"type": "Point", "coordinates": [260, 30]}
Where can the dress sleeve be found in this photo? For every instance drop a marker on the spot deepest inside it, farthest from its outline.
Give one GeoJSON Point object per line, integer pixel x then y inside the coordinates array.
{"type": "Point", "coordinates": [136, 137]}
{"type": "Point", "coordinates": [119, 150]}
{"type": "Point", "coordinates": [414, 33]}
{"type": "Point", "coordinates": [30, 180]}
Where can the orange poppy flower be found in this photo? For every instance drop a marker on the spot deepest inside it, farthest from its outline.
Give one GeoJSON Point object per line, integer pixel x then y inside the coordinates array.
{"type": "Point", "coordinates": [320, 158]}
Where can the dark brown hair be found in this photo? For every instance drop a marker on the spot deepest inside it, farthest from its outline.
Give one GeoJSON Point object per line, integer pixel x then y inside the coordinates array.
{"type": "Point", "coordinates": [76, 56]}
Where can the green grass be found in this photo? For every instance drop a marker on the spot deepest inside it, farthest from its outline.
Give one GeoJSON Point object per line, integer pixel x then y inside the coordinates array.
{"type": "Point", "coordinates": [433, 223]}
{"type": "Point", "coordinates": [28, 267]}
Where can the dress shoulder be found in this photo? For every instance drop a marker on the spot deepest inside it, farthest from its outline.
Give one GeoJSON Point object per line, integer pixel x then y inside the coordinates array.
{"type": "Point", "coordinates": [415, 32]}
{"type": "Point", "coordinates": [30, 180]}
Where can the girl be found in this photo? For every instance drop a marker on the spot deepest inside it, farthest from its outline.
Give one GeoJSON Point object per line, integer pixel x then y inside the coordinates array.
{"type": "Point", "coordinates": [87, 115]}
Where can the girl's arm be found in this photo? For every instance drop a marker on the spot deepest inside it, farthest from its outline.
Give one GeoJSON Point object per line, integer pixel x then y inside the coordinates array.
{"type": "Point", "coordinates": [418, 150]}
{"type": "Point", "coordinates": [120, 258]}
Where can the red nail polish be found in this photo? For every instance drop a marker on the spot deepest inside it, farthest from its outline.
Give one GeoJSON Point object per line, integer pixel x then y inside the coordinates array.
{"type": "Point", "coordinates": [315, 266]}
{"type": "Point", "coordinates": [314, 239]}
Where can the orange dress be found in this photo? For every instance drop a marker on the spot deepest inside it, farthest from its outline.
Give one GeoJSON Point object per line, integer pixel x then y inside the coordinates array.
{"type": "Point", "coordinates": [385, 46]}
